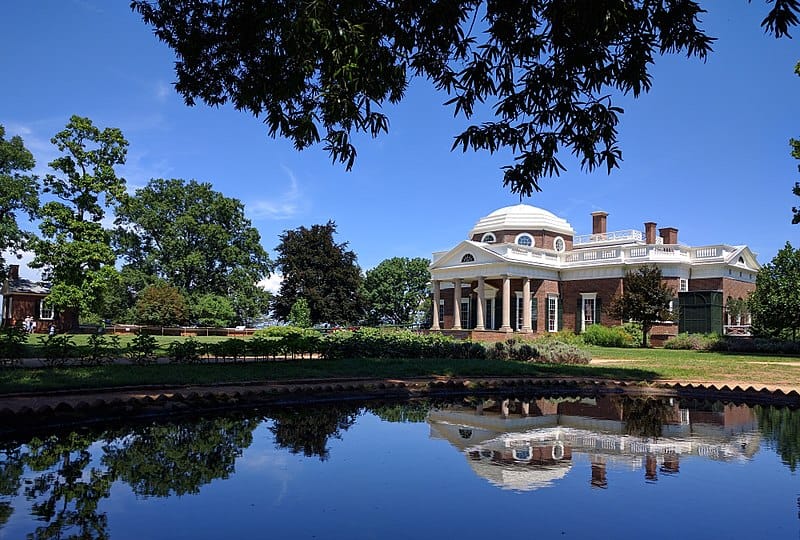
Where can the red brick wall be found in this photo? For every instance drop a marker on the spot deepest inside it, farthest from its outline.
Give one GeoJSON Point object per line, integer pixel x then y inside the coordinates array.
{"type": "Point", "coordinates": [606, 290]}
{"type": "Point", "coordinates": [705, 284]}
{"type": "Point", "coordinates": [736, 289]}
{"type": "Point", "coordinates": [542, 239]}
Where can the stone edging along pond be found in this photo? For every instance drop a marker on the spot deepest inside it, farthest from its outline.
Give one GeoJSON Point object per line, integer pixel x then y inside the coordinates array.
{"type": "Point", "coordinates": [64, 408]}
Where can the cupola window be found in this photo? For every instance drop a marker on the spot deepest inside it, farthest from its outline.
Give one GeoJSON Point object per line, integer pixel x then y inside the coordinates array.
{"type": "Point", "coordinates": [525, 240]}
{"type": "Point", "coordinates": [488, 238]}
{"type": "Point", "coordinates": [559, 244]}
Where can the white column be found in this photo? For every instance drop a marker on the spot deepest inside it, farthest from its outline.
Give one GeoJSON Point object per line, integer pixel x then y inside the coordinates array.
{"type": "Point", "coordinates": [481, 305]}
{"type": "Point", "coordinates": [526, 305]}
{"type": "Point", "coordinates": [506, 327]}
{"type": "Point", "coordinates": [457, 304]}
{"type": "Point", "coordinates": [436, 296]}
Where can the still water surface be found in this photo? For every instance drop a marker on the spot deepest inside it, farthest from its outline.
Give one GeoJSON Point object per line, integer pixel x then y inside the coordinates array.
{"type": "Point", "coordinates": [581, 467]}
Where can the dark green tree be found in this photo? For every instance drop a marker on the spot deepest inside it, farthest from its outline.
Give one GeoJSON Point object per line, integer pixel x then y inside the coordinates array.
{"type": "Point", "coordinates": [324, 273]}
{"type": "Point", "coordinates": [775, 304]}
{"type": "Point", "coordinates": [537, 76]}
{"type": "Point", "coordinates": [795, 145]}
{"type": "Point", "coordinates": [19, 193]}
{"type": "Point", "coordinates": [395, 289]}
{"type": "Point", "coordinates": [781, 428]}
{"type": "Point", "coordinates": [161, 304]}
{"type": "Point", "coordinates": [195, 238]}
{"type": "Point", "coordinates": [645, 299]}
{"type": "Point", "coordinates": [75, 250]}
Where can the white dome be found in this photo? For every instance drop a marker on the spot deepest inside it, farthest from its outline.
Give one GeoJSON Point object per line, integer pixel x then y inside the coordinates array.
{"type": "Point", "coordinates": [522, 217]}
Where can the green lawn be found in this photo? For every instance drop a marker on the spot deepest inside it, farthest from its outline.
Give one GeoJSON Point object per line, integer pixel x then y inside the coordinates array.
{"type": "Point", "coordinates": [610, 363]}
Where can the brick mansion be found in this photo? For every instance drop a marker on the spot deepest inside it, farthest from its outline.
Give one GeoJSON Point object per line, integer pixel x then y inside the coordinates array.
{"type": "Point", "coordinates": [523, 269]}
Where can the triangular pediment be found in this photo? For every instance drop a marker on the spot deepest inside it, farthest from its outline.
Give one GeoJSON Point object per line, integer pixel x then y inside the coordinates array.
{"type": "Point", "coordinates": [743, 257]}
{"type": "Point", "coordinates": [455, 257]}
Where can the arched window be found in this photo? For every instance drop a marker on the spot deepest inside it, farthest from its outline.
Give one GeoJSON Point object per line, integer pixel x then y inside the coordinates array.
{"type": "Point", "coordinates": [468, 258]}
{"type": "Point", "coordinates": [525, 239]}
{"type": "Point", "coordinates": [559, 244]}
{"type": "Point", "coordinates": [488, 238]}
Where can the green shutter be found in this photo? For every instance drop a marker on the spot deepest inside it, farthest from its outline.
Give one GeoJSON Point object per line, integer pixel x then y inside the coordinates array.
{"type": "Point", "coordinates": [579, 315]}
{"type": "Point", "coordinates": [560, 315]}
{"type": "Point", "coordinates": [535, 314]}
{"type": "Point", "coordinates": [598, 311]}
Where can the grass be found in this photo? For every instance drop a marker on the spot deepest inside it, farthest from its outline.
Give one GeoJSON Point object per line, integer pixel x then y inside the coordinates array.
{"type": "Point", "coordinates": [33, 348]}
{"type": "Point", "coordinates": [618, 364]}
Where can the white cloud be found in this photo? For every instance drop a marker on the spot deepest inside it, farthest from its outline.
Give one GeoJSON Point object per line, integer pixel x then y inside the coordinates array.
{"type": "Point", "coordinates": [289, 204]}
{"type": "Point", "coordinates": [272, 283]}
{"type": "Point", "coordinates": [162, 91]}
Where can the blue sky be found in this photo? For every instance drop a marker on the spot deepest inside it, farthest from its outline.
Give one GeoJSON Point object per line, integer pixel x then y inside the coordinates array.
{"type": "Point", "coordinates": [705, 151]}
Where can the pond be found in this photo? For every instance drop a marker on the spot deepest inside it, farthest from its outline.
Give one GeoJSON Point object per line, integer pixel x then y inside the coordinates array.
{"type": "Point", "coordinates": [559, 467]}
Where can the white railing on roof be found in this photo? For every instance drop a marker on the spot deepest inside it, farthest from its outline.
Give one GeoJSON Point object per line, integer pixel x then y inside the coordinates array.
{"type": "Point", "coordinates": [654, 252]}
{"type": "Point", "coordinates": [631, 235]}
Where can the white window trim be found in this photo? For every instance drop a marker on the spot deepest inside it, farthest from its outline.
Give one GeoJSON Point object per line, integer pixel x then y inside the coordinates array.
{"type": "Point", "coordinates": [486, 236]}
{"type": "Point", "coordinates": [465, 313]}
{"type": "Point", "coordinates": [51, 311]}
{"type": "Point", "coordinates": [555, 312]}
{"type": "Point", "coordinates": [683, 285]}
{"type": "Point", "coordinates": [555, 243]}
{"type": "Point", "coordinates": [520, 235]}
{"type": "Point", "coordinates": [584, 298]}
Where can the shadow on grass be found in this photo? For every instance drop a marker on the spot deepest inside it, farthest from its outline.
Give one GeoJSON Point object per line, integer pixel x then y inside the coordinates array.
{"type": "Point", "coordinates": [15, 380]}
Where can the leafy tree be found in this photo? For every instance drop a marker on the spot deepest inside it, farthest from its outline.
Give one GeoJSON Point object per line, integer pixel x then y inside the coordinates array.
{"type": "Point", "coordinates": [395, 288]}
{"type": "Point", "coordinates": [781, 428]}
{"type": "Point", "coordinates": [300, 314]}
{"type": "Point", "coordinates": [18, 193]}
{"type": "Point", "coordinates": [75, 250]}
{"type": "Point", "coordinates": [213, 310]}
{"type": "Point", "coordinates": [161, 304]}
{"type": "Point", "coordinates": [324, 273]}
{"type": "Point", "coordinates": [795, 145]}
{"type": "Point", "coordinates": [195, 238]}
{"type": "Point", "coordinates": [321, 71]}
{"type": "Point", "coordinates": [645, 299]}
{"type": "Point", "coordinates": [775, 304]}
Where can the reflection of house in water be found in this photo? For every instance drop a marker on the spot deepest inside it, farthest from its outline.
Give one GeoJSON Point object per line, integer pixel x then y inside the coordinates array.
{"type": "Point", "coordinates": [525, 445]}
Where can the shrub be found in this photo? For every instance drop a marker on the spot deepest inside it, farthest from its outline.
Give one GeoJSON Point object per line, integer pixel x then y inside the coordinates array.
{"type": "Point", "coordinates": [292, 340]}
{"type": "Point", "coordinates": [100, 349]}
{"type": "Point", "coordinates": [397, 343]}
{"type": "Point", "coordinates": [696, 342]}
{"type": "Point", "coordinates": [12, 344]}
{"type": "Point", "coordinates": [634, 329]}
{"type": "Point", "coordinates": [556, 352]}
{"type": "Point", "coordinates": [142, 348]}
{"type": "Point", "coordinates": [185, 351]}
{"type": "Point", "coordinates": [57, 349]}
{"type": "Point", "coordinates": [562, 336]}
{"type": "Point", "coordinates": [161, 305]}
{"type": "Point", "coordinates": [230, 349]}
{"type": "Point", "coordinates": [605, 336]}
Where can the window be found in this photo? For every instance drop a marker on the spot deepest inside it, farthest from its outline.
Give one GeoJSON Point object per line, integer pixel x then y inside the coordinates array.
{"type": "Point", "coordinates": [552, 313]}
{"type": "Point", "coordinates": [468, 258]}
{"type": "Point", "coordinates": [489, 322]}
{"type": "Point", "coordinates": [46, 312]}
{"type": "Point", "coordinates": [441, 313]}
{"type": "Point", "coordinates": [534, 312]}
{"type": "Point", "coordinates": [525, 239]}
{"type": "Point", "coordinates": [488, 238]}
{"type": "Point", "coordinates": [683, 285]}
{"type": "Point", "coordinates": [465, 313]}
{"type": "Point", "coordinates": [588, 310]}
{"type": "Point", "coordinates": [559, 244]}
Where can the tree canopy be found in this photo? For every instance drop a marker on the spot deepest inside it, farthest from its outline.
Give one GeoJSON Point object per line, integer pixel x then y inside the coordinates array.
{"type": "Point", "coordinates": [795, 145]}
{"type": "Point", "coordinates": [645, 298]}
{"type": "Point", "coordinates": [775, 304]}
{"type": "Point", "coordinates": [394, 289]}
{"type": "Point", "coordinates": [324, 273]}
{"type": "Point", "coordinates": [195, 238]}
{"type": "Point", "coordinates": [75, 250]}
{"type": "Point", "coordinates": [540, 74]}
{"type": "Point", "coordinates": [19, 192]}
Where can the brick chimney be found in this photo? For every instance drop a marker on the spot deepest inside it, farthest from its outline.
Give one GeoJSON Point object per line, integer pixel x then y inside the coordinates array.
{"type": "Point", "coordinates": [669, 234]}
{"type": "Point", "coordinates": [599, 222]}
{"type": "Point", "coordinates": [650, 232]}
{"type": "Point", "coordinates": [13, 272]}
